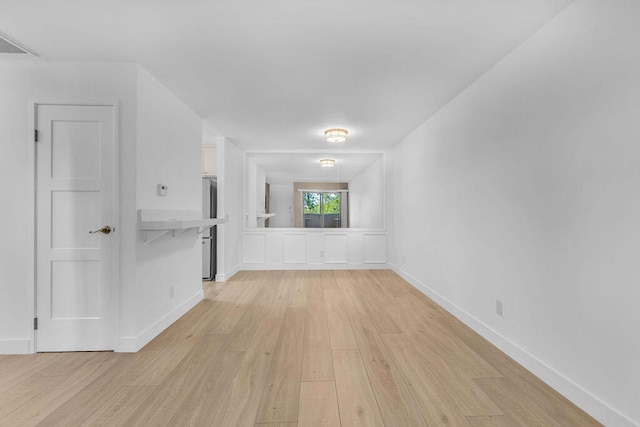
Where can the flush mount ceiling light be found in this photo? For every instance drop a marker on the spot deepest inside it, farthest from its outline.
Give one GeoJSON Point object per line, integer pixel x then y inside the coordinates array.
{"type": "Point", "coordinates": [336, 135]}
{"type": "Point", "coordinates": [327, 163]}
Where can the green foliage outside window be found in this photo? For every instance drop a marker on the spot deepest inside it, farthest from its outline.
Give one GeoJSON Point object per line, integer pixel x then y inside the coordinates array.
{"type": "Point", "coordinates": [313, 203]}
{"type": "Point", "coordinates": [331, 203]}
{"type": "Point", "coordinates": [321, 210]}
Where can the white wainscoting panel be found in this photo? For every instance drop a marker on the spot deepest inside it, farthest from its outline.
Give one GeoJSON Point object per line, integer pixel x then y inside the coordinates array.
{"type": "Point", "coordinates": [295, 248]}
{"type": "Point", "coordinates": [275, 248]}
{"type": "Point", "coordinates": [355, 248]}
{"type": "Point", "coordinates": [375, 249]}
{"type": "Point", "coordinates": [335, 248]}
{"type": "Point", "coordinates": [315, 248]}
{"type": "Point", "coordinates": [290, 249]}
{"type": "Point", "coordinates": [253, 248]}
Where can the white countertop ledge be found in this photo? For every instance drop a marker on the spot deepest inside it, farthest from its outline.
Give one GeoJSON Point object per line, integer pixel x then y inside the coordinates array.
{"type": "Point", "coordinates": [161, 221]}
{"type": "Point", "coordinates": [176, 224]}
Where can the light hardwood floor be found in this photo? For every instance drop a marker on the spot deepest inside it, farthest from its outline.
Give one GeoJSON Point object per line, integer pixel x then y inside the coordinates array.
{"type": "Point", "coordinates": [291, 349]}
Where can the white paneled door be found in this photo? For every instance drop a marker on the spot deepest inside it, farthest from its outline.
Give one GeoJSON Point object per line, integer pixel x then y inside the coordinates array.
{"type": "Point", "coordinates": [75, 216]}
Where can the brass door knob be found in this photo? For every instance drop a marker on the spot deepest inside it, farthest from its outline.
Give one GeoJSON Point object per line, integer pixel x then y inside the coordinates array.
{"type": "Point", "coordinates": [104, 230]}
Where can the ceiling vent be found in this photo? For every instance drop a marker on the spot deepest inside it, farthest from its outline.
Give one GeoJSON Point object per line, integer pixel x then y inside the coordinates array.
{"type": "Point", "coordinates": [10, 46]}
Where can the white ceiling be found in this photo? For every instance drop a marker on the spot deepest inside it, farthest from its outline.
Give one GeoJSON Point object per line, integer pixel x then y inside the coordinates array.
{"type": "Point", "coordinates": [274, 74]}
{"type": "Point", "coordinates": [285, 168]}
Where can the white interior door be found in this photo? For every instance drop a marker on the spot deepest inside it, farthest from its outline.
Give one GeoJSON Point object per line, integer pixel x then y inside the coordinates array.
{"type": "Point", "coordinates": [75, 196]}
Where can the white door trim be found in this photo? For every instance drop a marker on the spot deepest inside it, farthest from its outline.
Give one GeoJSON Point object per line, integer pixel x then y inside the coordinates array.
{"type": "Point", "coordinates": [31, 309]}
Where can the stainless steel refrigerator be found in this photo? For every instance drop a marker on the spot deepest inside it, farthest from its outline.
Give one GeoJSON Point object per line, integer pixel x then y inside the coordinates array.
{"type": "Point", "coordinates": [209, 210]}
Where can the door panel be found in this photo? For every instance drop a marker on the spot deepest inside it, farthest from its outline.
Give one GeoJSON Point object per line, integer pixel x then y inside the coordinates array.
{"type": "Point", "coordinates": [68, 228]}
{"type": "Point", "coordinates": [75, 278]}
{"type": "Point", "coordinates": [75, 149]}
{"type": "Point", "coordinates": [74, 195]}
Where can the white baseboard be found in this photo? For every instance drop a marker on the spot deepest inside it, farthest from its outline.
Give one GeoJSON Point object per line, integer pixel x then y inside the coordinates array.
{"type": "Point", "coordinates": [20, 346]}
{"type": "Point", "coordinates": [223, 277]}
{"type": "Point", "coordinates": [584, 399]}
{"type": "Point", "coordinates": [133, 344]}
{"type": "Point", "coordinates": [253, 267]}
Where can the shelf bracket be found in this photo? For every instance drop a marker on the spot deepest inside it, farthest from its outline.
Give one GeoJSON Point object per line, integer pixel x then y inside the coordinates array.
{"type": "Point", "coordinates": [203, 229]}
{"type": "Point", "coordinates": [154, 236]}
{"type": "Point", "coordinates": [179, 231]}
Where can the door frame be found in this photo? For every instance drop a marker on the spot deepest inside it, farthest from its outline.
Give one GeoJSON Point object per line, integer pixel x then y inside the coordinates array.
{"type": "Point", "coordinates": [32, 308]}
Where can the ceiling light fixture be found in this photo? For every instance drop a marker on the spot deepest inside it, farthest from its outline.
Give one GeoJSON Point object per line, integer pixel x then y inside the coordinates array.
{"type": "Point", "coordinates": [336, 135]}
{"type": "Point", "coordinates": [327, 163]}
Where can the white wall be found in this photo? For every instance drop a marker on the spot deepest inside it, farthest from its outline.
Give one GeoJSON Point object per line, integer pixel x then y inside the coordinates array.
{"type": "Point", "coordinates": [230, 202]}
{"type": "Point", "coordinates": [256, 180]}
{"type": "Point", "coordinates": [526, 188]}
{"type": "Point", "coordinates": [281, 203]}
{"type": "Point", "coordinates": [23, 82]}
{"type": "Point", "coordinates": [366, 193]}
{"type": "Point", "coordinates": [169, 149]}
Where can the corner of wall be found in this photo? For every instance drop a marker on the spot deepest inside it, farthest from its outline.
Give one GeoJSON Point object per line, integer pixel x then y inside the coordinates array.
{"type": "Point", "coordinates": [223, 277]}
{"type": "Point", "coordinates": [132, 344]}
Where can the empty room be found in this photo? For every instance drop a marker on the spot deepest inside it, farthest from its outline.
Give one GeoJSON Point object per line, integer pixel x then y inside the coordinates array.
{"type": "Point", "coordinates": [336, 213]}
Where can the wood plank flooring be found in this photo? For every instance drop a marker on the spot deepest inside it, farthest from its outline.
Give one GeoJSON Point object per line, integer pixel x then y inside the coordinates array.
{"type": "Point", "coordinates": [294, 348]}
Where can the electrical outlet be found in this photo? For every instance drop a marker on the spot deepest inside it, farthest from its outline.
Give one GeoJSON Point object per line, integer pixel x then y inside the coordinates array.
{"type": "Point", "coordinates": [321, 254]}
{"type": "Point", "coordinates": [499, 308]}
{"type": "Point", "coordinates": [170, 291]}
{"type": "Point", "coordinates": [404, 259]}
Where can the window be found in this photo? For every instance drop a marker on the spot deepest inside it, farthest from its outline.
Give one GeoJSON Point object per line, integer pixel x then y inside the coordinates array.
{"type": "Point", "coordinates": [322, 210]}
